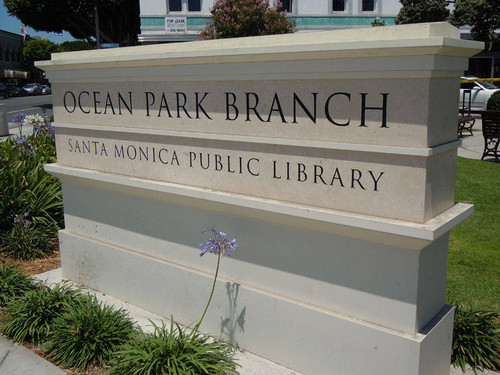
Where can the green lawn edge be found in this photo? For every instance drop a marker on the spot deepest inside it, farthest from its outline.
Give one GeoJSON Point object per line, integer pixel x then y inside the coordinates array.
{"type": "Point", "coordinates": [474, 254]}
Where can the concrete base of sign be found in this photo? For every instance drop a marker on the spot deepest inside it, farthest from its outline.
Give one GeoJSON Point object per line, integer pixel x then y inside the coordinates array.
{"type": "Point", "coordinates": [373, 305]}
{"type": "Point", "coordinates": [291, 333]}
{"type": "Point", "coordinates": [4, 124]}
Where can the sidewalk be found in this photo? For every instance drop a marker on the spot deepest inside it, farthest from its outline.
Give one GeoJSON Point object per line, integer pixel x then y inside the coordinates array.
{"type": "Point", "coordinates": [15, 131]}
{"type": "Point", "coordinates": [18, 360]}
{"type": "Point", "coordinates": [473, 145]}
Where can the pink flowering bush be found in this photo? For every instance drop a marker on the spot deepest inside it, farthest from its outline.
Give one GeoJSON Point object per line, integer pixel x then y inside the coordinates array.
{"type": "Point", "coordinates": [239, 18]}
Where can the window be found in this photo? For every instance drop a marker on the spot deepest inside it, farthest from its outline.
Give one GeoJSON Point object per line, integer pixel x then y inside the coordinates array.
{"type": "Point", "coordinates": [338, 5]}
{"type": "Point", "coordinates": [467, 85]}
{"type": "Point", "coordinates": [287, 6]}
{"type": "Point", "coordinates": [184, 5]}
{"type": "Point", "coordinates": [174, 5]}
{"type": "Point", "coordinates": [368, 5]}
{"type": "Point", "coordinates": [194, 5]}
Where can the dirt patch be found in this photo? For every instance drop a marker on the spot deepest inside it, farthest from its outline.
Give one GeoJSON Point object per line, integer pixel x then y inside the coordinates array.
{"type": "Point", "coordinates": [34, 267]}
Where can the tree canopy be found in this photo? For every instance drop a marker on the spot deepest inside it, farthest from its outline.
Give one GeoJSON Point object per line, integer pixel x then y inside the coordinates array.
{"type": "Point", "coordinates": [417, 11]}
{"type": "Point", "coordinates": [239, 18]}
{"type": "Point", "coordinates": [482, 15]}
{"type": "Point", "coordinates": [75, 45]}
{"type": "Point", "coordinates": [38, 49]}
{"type": "Point", "coordinates": [118, 19]}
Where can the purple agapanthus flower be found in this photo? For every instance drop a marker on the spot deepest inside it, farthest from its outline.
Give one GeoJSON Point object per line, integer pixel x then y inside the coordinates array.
{"type": "Point", "coordinates": [23, 220]}
{"type": "Point", "coordinates": [45, 129]}
{"type": "Point", "coordinates": [19, 118]}
{"type": "Point", "coordinates": [218, 244]}
{"type": "Point", "coordinates": [25, 146]}
{"type": "Point", "coordinates": [21, 140]}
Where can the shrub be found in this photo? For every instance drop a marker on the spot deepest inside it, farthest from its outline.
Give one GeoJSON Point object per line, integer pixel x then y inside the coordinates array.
{"type": "Point", "coordinates": [28, 242]}
{"type": "Point", "coordinates": [476, 339]}
{"type": "Point", "coordinates": [239, 18]}
{"type": "Point", "coordinates": [494, 102]}
{"type": "Point", "coordinates": [24, 185]}
{"type": "Point", "coordinates": [26, 188]}
{"type": "Point", "coordinates": [171, 352]}
{"type": "Point", "coordinates": [13, 283]}
{"type": "Point", "coordinates": [75, 45]}
{"type": "Point", "coordinates": [87, 334]}
{"type": "Point", "coordinates": [378, 22]}
{"type": "Point", "coordinates": [30, 317]}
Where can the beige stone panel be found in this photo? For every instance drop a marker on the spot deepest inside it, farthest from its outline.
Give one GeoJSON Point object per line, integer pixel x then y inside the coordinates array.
{"type": "Point", "coordinates": [391, 186]}
{"type": "Point", "coordinates": [409, 121]}
{"type": "Point", "coordinates": [443, 113]}
{"type": "Point", "coordinates": [441, 177]}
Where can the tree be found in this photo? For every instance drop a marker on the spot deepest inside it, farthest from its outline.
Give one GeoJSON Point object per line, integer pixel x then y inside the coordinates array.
{"type": "Point", "coordinates": [118, 19]}
{"type": "Point", "coordinates": [417, 11]}
{"type": "Point", "coordinates": [75, 45]}
{"type": "Point", "coordinates": [482, 15]}
{"type": "Point", "coordinates": [239, 18]}
{"type": "Point", "coordinates": [38, 49]}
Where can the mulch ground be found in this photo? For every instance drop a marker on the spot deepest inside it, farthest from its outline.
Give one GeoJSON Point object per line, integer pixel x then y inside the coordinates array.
{"type": "Point", "coordinates": [34, 267]}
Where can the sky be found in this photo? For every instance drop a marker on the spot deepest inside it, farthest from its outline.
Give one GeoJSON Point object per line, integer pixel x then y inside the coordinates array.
{"type": "Point", "coordinates": [13, 25]}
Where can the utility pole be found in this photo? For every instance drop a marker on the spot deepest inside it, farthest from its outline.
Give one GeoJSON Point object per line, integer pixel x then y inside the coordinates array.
{"type": "Point", "coordinates": [97, 34]}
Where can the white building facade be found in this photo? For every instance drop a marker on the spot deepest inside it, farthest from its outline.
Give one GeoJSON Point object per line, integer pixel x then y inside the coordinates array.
{"type": "Point", "coordinates": [181, 20]}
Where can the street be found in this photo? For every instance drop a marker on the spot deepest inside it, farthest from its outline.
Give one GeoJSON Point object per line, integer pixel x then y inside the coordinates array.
{"type": "Point", "coordinates": [29, 105]}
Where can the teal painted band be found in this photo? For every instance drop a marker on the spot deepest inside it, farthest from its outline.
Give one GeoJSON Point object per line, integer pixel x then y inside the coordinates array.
{"type": "Point", "coordinates": [152, 21]}
{"type": "Point", "coordinates": [340, 21]}
{"type": "Point", "coordinates": [300, 21]}
{"type": "Point", "coordinates": [197, 21]}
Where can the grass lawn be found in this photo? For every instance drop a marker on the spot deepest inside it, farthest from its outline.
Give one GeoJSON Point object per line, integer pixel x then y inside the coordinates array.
{"type": "Point", "coordinates": [474, 257]}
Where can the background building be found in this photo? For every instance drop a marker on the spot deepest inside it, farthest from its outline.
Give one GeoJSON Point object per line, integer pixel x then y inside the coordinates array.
{"type": "Point", "coordinates": [181, 20]}
{"type": "Point", "coordinates": [12, 71]}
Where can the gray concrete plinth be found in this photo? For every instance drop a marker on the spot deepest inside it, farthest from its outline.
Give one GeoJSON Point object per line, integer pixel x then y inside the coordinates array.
{"type": "Point", "coordinates": [4, 125]}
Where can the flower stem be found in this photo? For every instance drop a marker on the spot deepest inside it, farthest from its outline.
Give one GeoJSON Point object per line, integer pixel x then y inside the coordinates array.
{"type": "Point", "coordinates": [211, 295]}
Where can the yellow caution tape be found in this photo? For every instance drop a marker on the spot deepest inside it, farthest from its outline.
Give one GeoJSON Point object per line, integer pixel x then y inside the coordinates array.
{"type": "Point", "coordinates": [465, 80]}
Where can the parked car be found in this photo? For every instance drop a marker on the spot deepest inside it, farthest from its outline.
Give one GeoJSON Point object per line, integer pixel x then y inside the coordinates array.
{"type": "Point", "coordinates": [17, 91]}
{"type": "Point", "coordinates": [46, 90]}
{"type": "Point", "coordinates": [478, 91]}
{"type": "Point", "coordinates": [33, 88]}
{"type": "Point", "coordinates": [4, 93]}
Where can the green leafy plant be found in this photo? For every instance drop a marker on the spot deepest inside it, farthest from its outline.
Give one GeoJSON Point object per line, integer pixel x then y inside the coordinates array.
{"type": "Point", "coordinates": [494, 102]}
{"type": "Point", "coordinates": [30, 317]}
{"type": "Point", "coordinates": [87, 334]}
{"type": "Point", "coordinates": [13, 283]}
{"type": "Point", "coordinates": [378, 22]}
{"type": "Point", "coordinates": [24, 185]}
{"type": "Point", "coordinates": [476, 339]}
{"type": "Point", "coordinates": [240, 18]}
{"type": "Point", "coordinates": [173, 352]}
{"type": "Point", "coordinates": [28, 242]}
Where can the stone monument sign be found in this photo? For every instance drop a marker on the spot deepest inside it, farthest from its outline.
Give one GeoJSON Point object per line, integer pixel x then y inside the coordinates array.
{"type": "Point", "coordinates": [330, 156]}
